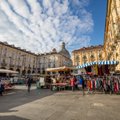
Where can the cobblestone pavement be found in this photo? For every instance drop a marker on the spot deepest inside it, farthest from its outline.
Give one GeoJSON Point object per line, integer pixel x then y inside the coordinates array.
{"type": "Point", "coordinates": [64, 105]}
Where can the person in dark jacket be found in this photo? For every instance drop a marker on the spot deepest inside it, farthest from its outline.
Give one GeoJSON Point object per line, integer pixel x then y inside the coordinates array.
{"type": "Point", "coordinates": [29, 82]}
{"type": "Point", "coordinates": [83, 84]}
{"type": "Point", "coordinates": [1, 88]}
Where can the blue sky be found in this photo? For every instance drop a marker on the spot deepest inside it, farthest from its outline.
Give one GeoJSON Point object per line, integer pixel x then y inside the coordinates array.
{"type": "Point", "coordinates": [98, 10]}
{"type": "Point", "coordinates": [41, 25]}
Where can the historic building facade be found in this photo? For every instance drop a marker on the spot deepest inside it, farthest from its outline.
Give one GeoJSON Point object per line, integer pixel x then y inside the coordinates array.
{"type": "Point", "coordinates": [17, 59]}
{"type": "Point", "coordinates": [87, 54]}
{"type": "Point", "coordinates": [54, 59]}
{"type": "Point", "coordinates": [112, 32]}
{"type": "Point", "coordinates": [25, 62]}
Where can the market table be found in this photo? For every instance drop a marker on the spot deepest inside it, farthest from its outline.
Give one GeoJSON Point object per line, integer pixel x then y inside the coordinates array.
{"type": "Point", "coordinates": [59, 85]}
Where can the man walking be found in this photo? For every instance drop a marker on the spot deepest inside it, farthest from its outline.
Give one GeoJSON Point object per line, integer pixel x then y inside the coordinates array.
{"type": "Point", "coordinates": [29, 82]}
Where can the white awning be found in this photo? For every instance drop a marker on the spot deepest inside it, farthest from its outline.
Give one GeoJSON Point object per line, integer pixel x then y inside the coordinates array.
{"type": "Point", "coordinates": [8, 71]}
{"type": "Point", "coordinates": [64, 68]}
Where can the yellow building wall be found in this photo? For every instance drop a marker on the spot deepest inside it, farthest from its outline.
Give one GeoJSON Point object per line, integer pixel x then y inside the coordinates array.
{"type": "Point", "coordinates": [112, 32]}
{"type": "Point", "coordinates": [80, 57]}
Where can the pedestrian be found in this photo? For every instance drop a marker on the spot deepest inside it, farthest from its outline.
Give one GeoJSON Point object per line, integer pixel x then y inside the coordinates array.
{"type": "Point", "coordinates": [1, 88]}
{"type": "Point", "coordinates": [82, 83]}
{"type": "Point", "coordinates": [29, 82]}
{"type": "Point", "coordinates": [72, 83]}
{"type": "Point", "coordinates": [75, 81]}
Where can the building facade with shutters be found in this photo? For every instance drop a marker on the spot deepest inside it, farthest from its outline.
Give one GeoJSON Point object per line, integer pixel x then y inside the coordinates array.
{"type": "Point", "coordinates": [112, 32]}
{"type": "Point", "coordinates": [17, 59]}
{"type": "Point", "coordinates": [87, 54]}
{"type": "Point", "coordinates": [25, 62]}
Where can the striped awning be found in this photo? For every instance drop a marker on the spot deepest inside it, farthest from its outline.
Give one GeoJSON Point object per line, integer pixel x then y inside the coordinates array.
{"type": "Point", "coordinates": [108, 62]}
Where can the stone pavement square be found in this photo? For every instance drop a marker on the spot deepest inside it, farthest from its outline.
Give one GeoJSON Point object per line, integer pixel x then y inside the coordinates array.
{"type": "Point", "coordinates": [44, 104]}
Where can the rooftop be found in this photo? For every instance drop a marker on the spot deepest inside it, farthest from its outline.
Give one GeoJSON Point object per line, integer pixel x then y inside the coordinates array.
{"type": "Point", "coordinates": [89, 48]}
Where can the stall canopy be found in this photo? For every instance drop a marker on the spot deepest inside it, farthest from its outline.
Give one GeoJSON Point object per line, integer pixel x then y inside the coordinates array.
{"type": "Point", "coordinates": [98, 63]}
{"type": "Point", "coordinates": [8, 71]}
{"type": "Point", "coordinates": [64, 68]}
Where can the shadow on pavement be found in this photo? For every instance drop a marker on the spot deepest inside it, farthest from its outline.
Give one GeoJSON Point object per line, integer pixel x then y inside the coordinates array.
{"type": "Point", "coordinates": [11, 118]}
{"type": "Point", "coordinates": [21, 97]}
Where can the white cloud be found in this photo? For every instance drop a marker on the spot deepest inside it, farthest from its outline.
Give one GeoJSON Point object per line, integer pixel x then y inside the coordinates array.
{"type": "Point", "coordinates": [43, 24]}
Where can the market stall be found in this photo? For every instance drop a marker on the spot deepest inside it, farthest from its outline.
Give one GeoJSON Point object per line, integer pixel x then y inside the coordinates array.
{"type": "Point", "coordinates": [60, 77]}
{"type": "Point", "coordinates": [100, 76]}
{"type": "Point", "coordinates": [6, 80]}
{"type": "Point", "coordinates": [98, 68]}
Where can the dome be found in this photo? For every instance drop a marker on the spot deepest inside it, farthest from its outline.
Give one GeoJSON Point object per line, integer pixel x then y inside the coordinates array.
{"type": "Point", "coordinates": [54, 50]}
{"type": "Point", "coordinates": [64, 51]}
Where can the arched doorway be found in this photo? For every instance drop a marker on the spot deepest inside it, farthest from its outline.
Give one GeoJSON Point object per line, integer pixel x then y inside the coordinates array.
{"type": "Point", "coordinates": [23, 72]}
{"type": "Point", "coordinates": [29, 71]}
{"type": "Point", "coordinates": [18, 70]}
{"type": "Point", "coordinates": [33, 71]}
{"type": "Point", "coordinates": [11, 68]}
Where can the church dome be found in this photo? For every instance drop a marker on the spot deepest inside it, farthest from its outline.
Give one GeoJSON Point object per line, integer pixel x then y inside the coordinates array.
{"type": "Point", "coordinates": [54, 50]}
{"type": "Point", "coordinates": [64, 51]}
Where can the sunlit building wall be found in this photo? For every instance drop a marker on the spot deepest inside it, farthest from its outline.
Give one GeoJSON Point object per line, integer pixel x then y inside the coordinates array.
{"type": "Point", "coordinates": [17, 59]}
{"type": "Point", "coordinates": [87, 54]}
{"type": "Point", "coordinates": [112, 32]}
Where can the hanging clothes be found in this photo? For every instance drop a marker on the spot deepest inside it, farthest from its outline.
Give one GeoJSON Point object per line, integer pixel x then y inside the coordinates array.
{"type": "Point", "coordinates": [106, 69]}
{"type": "Point", "coordinates": [100, 70]}
{"type": "Point", "coordinates": [115, 87]}
{"type": "Point", "coordinates": [91, 85]}
{"type": "Point", "coordinates": [88, 84]}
